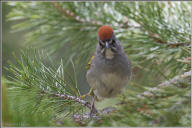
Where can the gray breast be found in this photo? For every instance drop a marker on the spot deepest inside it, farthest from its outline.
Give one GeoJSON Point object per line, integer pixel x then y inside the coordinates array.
{"type": "Point", "coordinates": [109, 76]}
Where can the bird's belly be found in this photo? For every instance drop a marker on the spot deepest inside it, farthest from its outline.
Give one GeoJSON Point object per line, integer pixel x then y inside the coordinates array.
{"type": "Point", "coordinates": [109, 85]}
{"type": "Point", "coordinates": [109, 76]}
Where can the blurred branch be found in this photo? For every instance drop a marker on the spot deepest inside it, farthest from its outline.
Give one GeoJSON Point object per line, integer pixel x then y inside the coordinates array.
{"type": "Point", "coordinates": [157, 39]}
{"type": "Point", "coordinates": [186, 60]}
{"type": "Point", "coordinates": [72, 15]}
{"type": "Point", "coordinates": [93, 22]}
{"type": "Point", "coordinates": [125, 24]}
{"type": "Point", "coordinates": [175, 80]}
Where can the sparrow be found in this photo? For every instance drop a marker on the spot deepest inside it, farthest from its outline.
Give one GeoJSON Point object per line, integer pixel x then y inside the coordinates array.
{"type": "Point", "coordinates": [110, 68]}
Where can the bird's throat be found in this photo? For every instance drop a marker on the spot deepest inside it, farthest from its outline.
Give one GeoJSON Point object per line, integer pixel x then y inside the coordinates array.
{"type": "Point", "coordinates": [109, 54]}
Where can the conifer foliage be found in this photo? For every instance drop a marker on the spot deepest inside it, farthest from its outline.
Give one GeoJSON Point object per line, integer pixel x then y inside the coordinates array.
{"type": "Point", "coordinates": [45, 85]}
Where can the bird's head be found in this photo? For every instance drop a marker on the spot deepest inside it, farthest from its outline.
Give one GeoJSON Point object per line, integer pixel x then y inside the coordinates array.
{"type": "Point", "coordinates": [107, 40]}
{"type": "Point", "coordinates": [106, 36]}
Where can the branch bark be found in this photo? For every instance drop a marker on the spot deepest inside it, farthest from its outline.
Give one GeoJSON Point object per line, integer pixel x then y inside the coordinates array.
{"type": "Point", "coordinates": [73, 98]}
{"type": "Point", "coordinates": [175, 80]}
{"type": "Point", "coordinates": [170, 82]}
{"type": "Point", "coordinates": [69, 97]}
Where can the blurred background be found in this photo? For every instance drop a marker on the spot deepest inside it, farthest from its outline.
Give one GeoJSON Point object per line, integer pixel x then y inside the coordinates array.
{"type": "Point", "coordinates": [155, 35]}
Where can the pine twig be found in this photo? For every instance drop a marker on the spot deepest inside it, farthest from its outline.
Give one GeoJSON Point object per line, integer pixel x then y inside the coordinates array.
{"type": "Point", "coordinates": [170, 82]}
{"type": "Point", "coordinates": [72, 15]}
{"type": "Point", "coordinates": [69, 97]}
{"type": "Point", "coordinates": [75, 99]}
{"type": "Point", "coordinates": [79, 118]}
{"type": "Point", "coordinates": [93, 22]}
{"type": "Point", "coordinates": [175, 79]}
{"type": "Point", "coordinates": [157, 39]}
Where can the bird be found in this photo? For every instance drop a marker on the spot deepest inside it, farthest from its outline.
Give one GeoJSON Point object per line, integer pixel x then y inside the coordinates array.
{"type": "Point", "coordinates": [110, 68]}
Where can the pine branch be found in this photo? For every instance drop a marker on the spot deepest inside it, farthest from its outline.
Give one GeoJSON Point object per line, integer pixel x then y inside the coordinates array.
{"type": "Point", "coordinates": [173, 81]}
{"type": "Point", "coordinates": [157, 39]}
{"type": "Point", "coordinates": [73, 98]}
{"type": "Point", "coordinates": [81, 118]}
{"type": "Point", "coordinates": [31, 73]}
{"type": "Point", "coordinates": [68, 13]}
{"type": "Point", "coordinates": [152, 41]}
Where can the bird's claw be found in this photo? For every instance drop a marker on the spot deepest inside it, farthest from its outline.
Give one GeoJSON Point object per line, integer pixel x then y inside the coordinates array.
{"type": "Point", "coordinates": [90, 93]}
{"type": "Point", "coordinates": [83, 96]}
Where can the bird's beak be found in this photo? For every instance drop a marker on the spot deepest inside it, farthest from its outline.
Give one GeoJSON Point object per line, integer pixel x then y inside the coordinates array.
{"type": "Point", "coordinates": [107, 44]}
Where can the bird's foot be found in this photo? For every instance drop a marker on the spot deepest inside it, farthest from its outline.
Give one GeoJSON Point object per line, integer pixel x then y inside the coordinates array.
{"type": "Point", "coordinates": [90, 93]}
{"type": "Point", "coordinates": [93, 110]}
{"type": "Point", "coordinates": [83, 96]}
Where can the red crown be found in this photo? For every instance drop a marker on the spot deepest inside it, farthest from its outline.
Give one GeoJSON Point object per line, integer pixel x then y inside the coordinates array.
{"type": "Point", "coordinates": [105, 32]}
